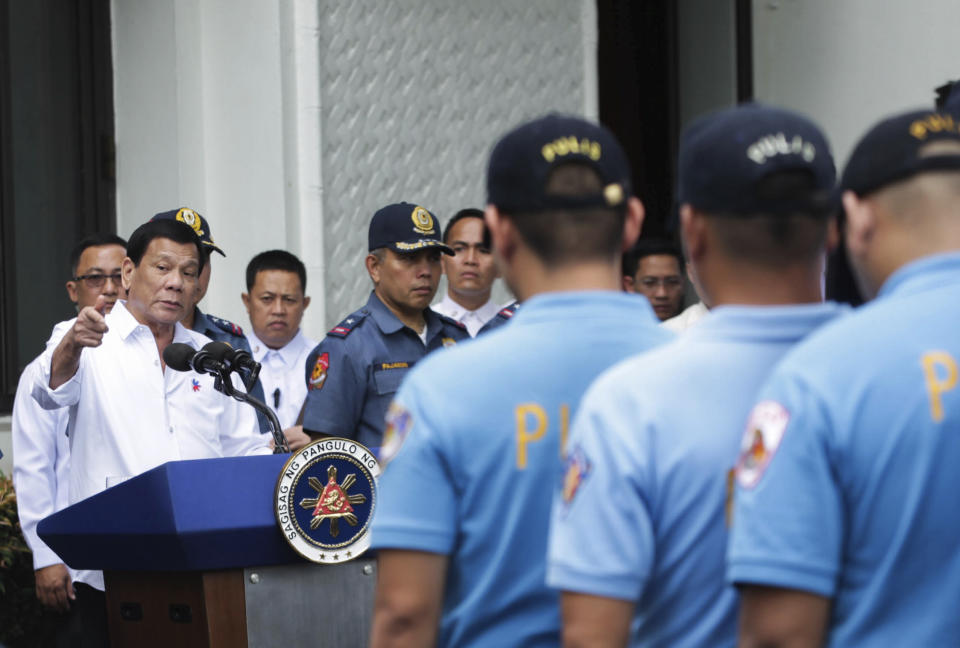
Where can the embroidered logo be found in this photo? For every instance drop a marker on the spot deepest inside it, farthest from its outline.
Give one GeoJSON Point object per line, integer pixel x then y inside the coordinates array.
{"type": "Point", "coordinates": [319, 374]}
{"type": "Point", "coordinates": [192, 219]}
{"type": "Point", "coordinates": [577, 469]}
{"type": "Point", "coordinates": [422, 221]}
{"type": "Point", "coordinates": [398, 424]}
{"type": "Point", "coordinates": [196, 385]}
{"type": "Point", "coordinates": [765, 428]}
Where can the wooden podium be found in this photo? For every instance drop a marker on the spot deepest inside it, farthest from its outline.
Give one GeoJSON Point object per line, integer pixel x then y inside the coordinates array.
{"type": "Point", "coordinates": [192, 556]}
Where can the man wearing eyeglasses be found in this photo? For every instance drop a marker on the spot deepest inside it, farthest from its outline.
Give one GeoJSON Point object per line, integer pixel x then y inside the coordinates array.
{"type": "Point", "coordinates": [40, 445]}
{"type": "Point", "coordinates": [654, 269]}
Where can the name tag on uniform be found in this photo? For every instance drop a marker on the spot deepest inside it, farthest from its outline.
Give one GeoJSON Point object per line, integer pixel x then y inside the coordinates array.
{"type": "Point", "coordinates": [388, 375]}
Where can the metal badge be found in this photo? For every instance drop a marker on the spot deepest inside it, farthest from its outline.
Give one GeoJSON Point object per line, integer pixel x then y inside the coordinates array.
{"type": "Point", "coordinates": [325, 498]}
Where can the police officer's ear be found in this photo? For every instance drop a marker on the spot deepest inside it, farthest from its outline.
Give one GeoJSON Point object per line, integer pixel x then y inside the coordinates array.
{"type": "Point", "coordinates": [245, 298]}
{"type": "Point", "coordinates": [503, 235]}
{"type": "Point", "coordinates": [833, 234]}
{"type": "Point", "coordinates": [373, 267]}
{"type": "Point", "coordinates": [860, 223]}
{"type": "Point", "coordinates": [633, 223]}
{"type": "Point", "coordinates": [693, 230]}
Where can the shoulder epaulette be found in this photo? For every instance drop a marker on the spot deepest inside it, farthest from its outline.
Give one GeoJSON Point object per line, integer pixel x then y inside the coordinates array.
{"type": "Point", "coordinates": [509, 310]}
{"type": "Point", "coordinates": [451, 321]}
{"type": "Point", "coordinates": [343, 328]}
{"type": "Point", "coordinates": [225, 325]}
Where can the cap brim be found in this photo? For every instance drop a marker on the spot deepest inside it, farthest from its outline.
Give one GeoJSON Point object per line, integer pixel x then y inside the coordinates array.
{"type": "Point", "coordinates": [213, 247]}
{"type": "Point", "coordinates": [410, 247]}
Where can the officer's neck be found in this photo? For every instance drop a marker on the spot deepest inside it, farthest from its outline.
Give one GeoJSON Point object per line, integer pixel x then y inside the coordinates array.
{"type": "Point", "coordinates": [529, 276]}
{"type": "Point", "coordinates": [190, 318]}
{"type": "Point", "coordinates": [411, 318]}
{"type": "Point", "coordinates": [732, 281]}
{"type": "Point", "coordinates": [469, 301]}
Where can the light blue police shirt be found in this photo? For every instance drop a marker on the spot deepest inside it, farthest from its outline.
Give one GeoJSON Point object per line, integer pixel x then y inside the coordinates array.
{"type": "Point", "coordinates": [849, 485]}
{"type": "Point", "coordinates": [479, 430]}
{"type": "Point", "coordinates": [639, 514]}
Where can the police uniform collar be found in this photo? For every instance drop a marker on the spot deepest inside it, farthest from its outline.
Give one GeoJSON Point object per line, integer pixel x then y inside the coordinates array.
{"type": "Point", "coordinates": [928, 272]}
{"type": "Point", "coordinates": [122, 321]}
{"type": "Point", "coordinates": [390, 323]}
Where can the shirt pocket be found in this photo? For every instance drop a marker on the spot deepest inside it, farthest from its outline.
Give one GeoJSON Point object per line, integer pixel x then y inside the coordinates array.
{"type": "Point", "coordinates": [388, 381]}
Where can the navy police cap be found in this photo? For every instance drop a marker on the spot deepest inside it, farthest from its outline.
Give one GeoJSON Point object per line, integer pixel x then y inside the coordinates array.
{"type": "Point", "coordinates": [724, 155]}
{"type": "Point", "coordinates": [521, 162]}
{"type": "Point", "coordinates": [192, 218]}
{"type": "Point", "coordinates": [405, 228]}
{"type": "Point", "coordinates": [897, 148]}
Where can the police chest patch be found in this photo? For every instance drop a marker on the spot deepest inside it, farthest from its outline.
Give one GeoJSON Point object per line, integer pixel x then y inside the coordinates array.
{"type": "Point", "coordinates": [765, 428]}
{"type": "Point", "coordinates": [318, 375]}
{"type": "Point", "coordinates": [398, 422]}
{"type": "Point", "coordinates": [576, 470]}
{"type": "Point", "coordinates": [325, 498]}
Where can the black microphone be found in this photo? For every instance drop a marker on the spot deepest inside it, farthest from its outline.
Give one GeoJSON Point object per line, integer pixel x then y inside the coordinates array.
{"type": "Point", "coordinates": [209, 359]}
{"type": "Point", "coordinates": [240, 359]}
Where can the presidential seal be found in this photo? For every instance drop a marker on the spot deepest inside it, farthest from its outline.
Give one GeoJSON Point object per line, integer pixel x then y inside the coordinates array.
{"type": "Point", "coordinates": [325, 498]}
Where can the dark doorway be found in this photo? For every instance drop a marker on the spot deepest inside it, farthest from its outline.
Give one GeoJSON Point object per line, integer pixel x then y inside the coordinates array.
{"type": "Point", "coordinates": [638, 96]}
{"type": "Point", "coordinates": [639, 89]}
{"type": "Point", "coordinates": [56, 163]}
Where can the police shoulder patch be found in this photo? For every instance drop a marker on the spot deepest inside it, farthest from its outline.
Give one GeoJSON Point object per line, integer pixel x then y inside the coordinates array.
{"type": "Point", "coordinates": [576, 469]}
{"type": "Point", "coordinates": [765, 429]}
{"type": "Point", "coordinates": [344, 328]}
{"type": "Point", "coordinates": [398, 424]}
{"type": "Point", "coordinates": [225, 325]}
{"type": "Point", "coordinates": [318, 375]}
{"type": "Point", "coordinates": [325, 499]}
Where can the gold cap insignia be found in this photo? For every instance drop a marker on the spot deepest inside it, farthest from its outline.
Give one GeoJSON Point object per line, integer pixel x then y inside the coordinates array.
{"type": "Point", "coordinates": [422, 221]}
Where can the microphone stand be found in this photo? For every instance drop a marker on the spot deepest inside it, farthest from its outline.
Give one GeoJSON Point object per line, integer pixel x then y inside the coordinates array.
{"type": "Point", "coordinates": [224, 385]}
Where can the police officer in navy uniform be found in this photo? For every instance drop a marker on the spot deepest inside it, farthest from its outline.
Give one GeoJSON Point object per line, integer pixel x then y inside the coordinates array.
{"type": "Point", "coordinates": [215, 328]}
{"type": "Point", "coordinates": [354, 372]}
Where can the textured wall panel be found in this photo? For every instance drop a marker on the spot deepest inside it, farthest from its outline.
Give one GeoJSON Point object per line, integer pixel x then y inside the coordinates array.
{"type": "Point", "coordinates": [413, 95]}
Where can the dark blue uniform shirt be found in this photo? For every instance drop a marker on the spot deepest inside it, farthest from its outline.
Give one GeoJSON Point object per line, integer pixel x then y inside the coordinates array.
{"type": "Point", "coordinates": [221, 330]}
{"type": "Point", "coordinates": [353, 373]}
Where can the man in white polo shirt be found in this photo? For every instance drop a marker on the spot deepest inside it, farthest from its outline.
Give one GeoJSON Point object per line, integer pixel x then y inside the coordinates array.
{"type": "Point", "coordinates": [275, 301]}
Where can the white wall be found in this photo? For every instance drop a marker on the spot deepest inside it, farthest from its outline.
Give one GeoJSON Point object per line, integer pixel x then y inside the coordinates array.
{"type": "Point", "coordinates": [287, 124]}
{"type": "Point", "coordinates": [849, 63]}
{"type": "Point", "coordinates": [706, 57]}
{"type": "Point", "coordinates": [198, 97]}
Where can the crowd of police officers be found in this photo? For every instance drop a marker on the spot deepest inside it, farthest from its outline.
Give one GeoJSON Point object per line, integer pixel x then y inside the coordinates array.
{"type": "Point", "coordinates": [779, 474]}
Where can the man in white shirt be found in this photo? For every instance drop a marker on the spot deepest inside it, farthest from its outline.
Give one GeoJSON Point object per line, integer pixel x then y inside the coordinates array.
{"type": "Point", "coordinates": [128, 413]}
{"type": "Point", "coordinates": [470, 272]}
{"type": "Point", "coordinates": [275, 301]}
{"type": "Point", "coordinates": [41, 453]}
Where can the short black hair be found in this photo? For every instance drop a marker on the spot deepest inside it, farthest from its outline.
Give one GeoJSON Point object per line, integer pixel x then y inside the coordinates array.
{"type": "Point", "coordinates": [648, 247]}
{"type": "Point", "coordinates": [93, 240]}
{"type": "Point", "coordinates": [469, 212]}
{"type": "Point", "coordinates": [777, 240]}
{"type": "Point", "coordinates": [163, 228]}
{"type": "Point", "coordinates": [276, 260]}
{"type": "Point", "coordinates": [564, 235]}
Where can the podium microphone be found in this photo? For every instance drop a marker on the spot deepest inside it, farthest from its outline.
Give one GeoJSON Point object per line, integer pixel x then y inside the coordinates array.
{"type": "Point", "coordinates": [208, 360]}
{"type": "Point", "coordinates": [242, 362]}
{"type": "Point", "coordinates": [219, 359]}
